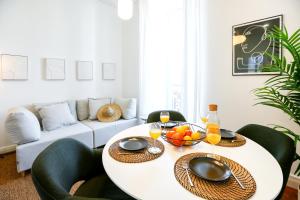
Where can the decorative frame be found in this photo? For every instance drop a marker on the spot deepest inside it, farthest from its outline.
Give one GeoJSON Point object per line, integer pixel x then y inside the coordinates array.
{"type": "Point", "coordinates": [108, 71]}
{"type": "Point", "coordinates": [55, 69]}
{"type": "Point", "coordinates": [14, 67]}
{"type": "Point", "coordinates": [84, 70]}
{"type": "Point", "coordinates": [250, 46]}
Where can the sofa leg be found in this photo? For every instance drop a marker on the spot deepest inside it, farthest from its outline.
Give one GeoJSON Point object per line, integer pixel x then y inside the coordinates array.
{"type": "Point", "coordinates": [23, 173]}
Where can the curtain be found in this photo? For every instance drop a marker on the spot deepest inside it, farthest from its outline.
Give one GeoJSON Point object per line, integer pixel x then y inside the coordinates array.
{"type": "Point", "coordinates": [169, 56]}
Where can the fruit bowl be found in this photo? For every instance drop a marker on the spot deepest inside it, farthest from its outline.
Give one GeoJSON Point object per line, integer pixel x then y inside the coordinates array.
{"type": "Point", "coordinates": [184, 134]}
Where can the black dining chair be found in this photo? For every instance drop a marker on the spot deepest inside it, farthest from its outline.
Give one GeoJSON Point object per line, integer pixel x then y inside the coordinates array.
{"type": "Point", "coordinates": [281, 146]}
{"type": "Point", "coordinates": [174, 116]}
{"type": "Point", "coordinates": [66, 162]}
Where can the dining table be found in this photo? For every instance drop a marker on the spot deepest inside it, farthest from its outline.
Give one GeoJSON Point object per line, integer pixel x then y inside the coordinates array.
{"type": "Point", "coordinates": [155, 179]}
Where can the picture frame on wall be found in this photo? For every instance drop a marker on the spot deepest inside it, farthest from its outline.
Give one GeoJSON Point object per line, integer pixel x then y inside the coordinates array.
{"type": "Point", "coordinates": [251, 48]}
{"type": "Point", "coordinates": [108, 71]}
{"type": "Point", "coordinates": [55, 69]}
{"type": "Point", "coordinates": [84, 70]}
{"type": "Point", "coordinates": [14, 67]}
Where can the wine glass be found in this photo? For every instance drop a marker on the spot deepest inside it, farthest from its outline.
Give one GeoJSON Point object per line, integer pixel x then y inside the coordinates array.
{"type": "Point", "coordinates": [213, 136]}
{"type": "Point", "coordinates": [155, 133]}
{"type": "Point", "coordinates": [164, 117]}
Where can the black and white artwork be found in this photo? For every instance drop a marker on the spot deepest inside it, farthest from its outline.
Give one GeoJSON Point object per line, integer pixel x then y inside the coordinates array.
{"type": "Point", "coordinates": [251, 46]}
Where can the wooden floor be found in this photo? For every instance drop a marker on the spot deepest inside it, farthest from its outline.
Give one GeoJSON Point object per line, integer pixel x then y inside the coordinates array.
{"type": "Point", "coordinates": [15, 187]}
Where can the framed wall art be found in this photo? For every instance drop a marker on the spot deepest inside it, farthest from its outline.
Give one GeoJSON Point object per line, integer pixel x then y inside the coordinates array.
{"type": "Point", "coordinates": [108, 71]}
{"type": "Point", "coordinates": [54, 69]}
{"type": "Point", "coordinates": [252, 48]}
{"type": "Point", "coordinates": [84, 70]}
{"type": "Point", "coordinates": [14, 67]}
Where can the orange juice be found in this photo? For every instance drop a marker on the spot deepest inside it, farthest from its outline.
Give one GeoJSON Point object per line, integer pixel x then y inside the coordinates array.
{"type": "Point", "coordinates": [213, 138]}
{"type": "Point", "coordinates": [213, 134]}
{"type": "Point", "coordinates": [155, 133]}
{"type": "Point", "coordinates": [164, 118]}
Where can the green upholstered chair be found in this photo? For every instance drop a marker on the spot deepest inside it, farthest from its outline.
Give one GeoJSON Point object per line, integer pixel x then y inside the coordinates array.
{"type": "Point", "coordinates": [67, 161]}
{"type": "Point", "coordinates": [281, 146]}
{"type": "Point", "coordinates": [174, 116]}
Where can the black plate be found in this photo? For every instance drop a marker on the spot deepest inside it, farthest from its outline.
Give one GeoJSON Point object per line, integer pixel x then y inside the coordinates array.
{"type": "Point", "coordinates": [209, 169]}
{"type": "Point", "coordinates": [227, 134]}
{"type": "Point", "coordinates": [133, 143]}
{"type": "Point", "coordinates": [168, 124]}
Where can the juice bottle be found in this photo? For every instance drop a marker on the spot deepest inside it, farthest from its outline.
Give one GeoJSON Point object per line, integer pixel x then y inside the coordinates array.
{"type": "Point", "coordinates": [213, 133]}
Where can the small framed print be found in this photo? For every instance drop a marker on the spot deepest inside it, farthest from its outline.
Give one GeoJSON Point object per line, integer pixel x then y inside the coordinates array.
{"type": "Point", "coordinates": [55, 69]}
{"type": "Point", "coordinates": [84, 70]}
{"type": "Point", "coordinates": [108, 71]}
{"type": "Point", "coordinates": [14, 67]}
{"type": "Point", "coordinates": [251, 46]}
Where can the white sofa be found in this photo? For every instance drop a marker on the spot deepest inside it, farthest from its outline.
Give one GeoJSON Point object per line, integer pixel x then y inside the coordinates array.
{"type": "Point", "coordinates": [91, 133]}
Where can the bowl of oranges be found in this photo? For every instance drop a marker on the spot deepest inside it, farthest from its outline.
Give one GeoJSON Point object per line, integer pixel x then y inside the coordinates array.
{"type": "Point", "coordinates": [184, 134]}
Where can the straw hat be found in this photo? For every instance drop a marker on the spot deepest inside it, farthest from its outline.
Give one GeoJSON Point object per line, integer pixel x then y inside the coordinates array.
{"type": "Point", "coordinates": [109, 113]}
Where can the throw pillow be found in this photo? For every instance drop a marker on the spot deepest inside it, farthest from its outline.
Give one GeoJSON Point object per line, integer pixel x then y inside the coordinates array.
{"type": "Point", "coordinates": [82, 107]}
{"type": "Point", "coordinates": [22, 126]}
{"type": "Point", "coordinates": [38, 106]}
{"type": "Point", "coordinates": [95, 105]}
{"type": "Point", "coordinates": [56, 116]}
{"type": "Point", "coordinates": [128, 106]}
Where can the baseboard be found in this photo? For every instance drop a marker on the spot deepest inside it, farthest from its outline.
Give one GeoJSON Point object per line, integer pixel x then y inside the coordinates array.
{"type": "Point", "coordinates": [293, 182]}
{"type": "Point", "coordinates": [7, 149]}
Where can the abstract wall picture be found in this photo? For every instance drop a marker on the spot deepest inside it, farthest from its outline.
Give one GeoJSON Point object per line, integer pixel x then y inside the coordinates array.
{"type": "Point", "coordinates": [14, 67]}
{"type": "Point", "coordinates": [54, 69]}
{"type": "Point", "coordinates": [84, 70]}
{"type": "Point", "coordinates": [252, 48]}
{"type": "Point", "coordinates": [108, 71]}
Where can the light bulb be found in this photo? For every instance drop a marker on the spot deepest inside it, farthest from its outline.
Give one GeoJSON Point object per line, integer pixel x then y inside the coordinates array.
{"type": "Point", "coordinates": [125, 9]}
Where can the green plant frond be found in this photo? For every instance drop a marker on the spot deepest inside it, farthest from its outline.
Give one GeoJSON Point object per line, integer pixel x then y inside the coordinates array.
{"type": "Point", "coordinates": [295, 37]}
{"type": "Point", "coordinates": [271, 97]}
{"type": "Point", "coordinates": [277, 80]}
{"type": "Point", "coordinates": [283, 38]}
{"type": "Point", "coordinates": [283, 91]}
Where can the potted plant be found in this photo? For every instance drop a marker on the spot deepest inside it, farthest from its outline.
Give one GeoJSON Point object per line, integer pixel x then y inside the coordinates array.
{"type": "Point", "coordinates": [282, 91]}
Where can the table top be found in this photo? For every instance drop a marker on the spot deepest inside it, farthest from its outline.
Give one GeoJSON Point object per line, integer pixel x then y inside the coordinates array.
{"type": "Point", "coordinates": [156, 180]}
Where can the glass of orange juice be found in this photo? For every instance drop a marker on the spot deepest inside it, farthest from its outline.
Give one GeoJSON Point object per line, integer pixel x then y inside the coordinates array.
{"type": "Point", "coordinates": [213, 135]}
{"type": "Point", "coordinates": [164, 117]}
{"type": "Point", "coordinates": [155, 133]}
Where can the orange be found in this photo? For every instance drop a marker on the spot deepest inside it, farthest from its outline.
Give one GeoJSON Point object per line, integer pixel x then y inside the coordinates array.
{"type": "Point", "coordinates": [196, 135]}
{"type": "Point", "coordinates": [186, 127]}
{"type": "Point", "coordinates": [180, 129]}
{"type": "Point", "coordinates": [170, 133]}
{"type": "Point", "coordinates": [187, 140]}
{"type": "Point", "coordinates": [177, 139]}
{"type": "Point", "coordinates": [188, 132]}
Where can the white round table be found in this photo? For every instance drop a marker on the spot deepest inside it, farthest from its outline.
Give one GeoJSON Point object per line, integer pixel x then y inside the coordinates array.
{"type": "Point", "coordinates": [156, 180]}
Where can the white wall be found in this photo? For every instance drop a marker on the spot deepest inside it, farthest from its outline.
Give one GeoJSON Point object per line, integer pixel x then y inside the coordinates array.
{"type": "Point", "coordinates": [233, 93]}
{"type": "Point", "coordinates": [131, 55]}
{"type": "Point", "coordinates": [70, 29]}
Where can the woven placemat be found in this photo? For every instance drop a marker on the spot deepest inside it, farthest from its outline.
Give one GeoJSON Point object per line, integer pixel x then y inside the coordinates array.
{"type": "Point", "coordinates": [237, 141]}
{"type": "Point", "coordinates": [228, 189]}
{"type": "Point", "coordinates": [135, 157]}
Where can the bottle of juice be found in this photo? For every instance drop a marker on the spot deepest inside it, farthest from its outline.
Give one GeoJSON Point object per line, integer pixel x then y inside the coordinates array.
{"type": "Point", "coordinates": [213, 133]}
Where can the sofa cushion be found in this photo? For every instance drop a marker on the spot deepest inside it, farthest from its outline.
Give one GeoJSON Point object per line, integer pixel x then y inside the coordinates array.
{"type": "Point", "coordinates": [82, 108]}
{"type": "Point", "coordinates": [128, 106]}
{"type": "Point", "coordinates": [103, 131]}
{"type": "Point", "coordinates": [95, 105]}
{"type": "Point", "coordinates": [22, 126]}
{"type": "Point", "coordinates": [56, 116]}
{"type": "Point", "coordinates": [26, 153]}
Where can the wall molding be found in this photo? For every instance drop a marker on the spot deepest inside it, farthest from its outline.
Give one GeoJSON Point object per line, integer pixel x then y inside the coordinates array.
{"type": "Point", "coordinates": [7, 149]}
